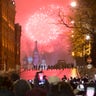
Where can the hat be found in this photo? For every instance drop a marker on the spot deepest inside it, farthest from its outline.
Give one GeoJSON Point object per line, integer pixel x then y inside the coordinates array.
{"type": "Point", "coordinates": [53, 80]}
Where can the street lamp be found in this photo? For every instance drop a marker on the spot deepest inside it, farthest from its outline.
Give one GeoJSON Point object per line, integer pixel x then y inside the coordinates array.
{"type": "Point", "coordinates": [88, 39]}
{"type": "Point", "coordinates": [73, 4]}
{"type": "Point", "coordinates": [89, 59]}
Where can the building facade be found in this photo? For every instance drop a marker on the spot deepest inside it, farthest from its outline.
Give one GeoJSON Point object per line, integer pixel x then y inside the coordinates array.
{"type": "Point", "coordinates": [17, 46]}
{"type": "Point", "coordinates": [7, 35]}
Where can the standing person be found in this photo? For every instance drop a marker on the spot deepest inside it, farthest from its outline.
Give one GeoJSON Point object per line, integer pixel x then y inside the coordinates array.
{"type": "Point", "coordinates": [46, 83]}
{"type": "Point", "coordinates": [60, 89]}
{"type": "Point", "coordinates": [20, 86]}
{"type": "Point", "coordinates": [14, 77]}
{"type": "Point", "coordinates": [36, 91]}
{"type": "Point", "coordinates": [5, 86]}
{"type": "Point", "coordinates": [36, 79]}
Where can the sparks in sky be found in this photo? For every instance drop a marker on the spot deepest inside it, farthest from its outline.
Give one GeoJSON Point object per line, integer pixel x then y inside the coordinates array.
{"type": "Point", "coordinates": [42, 25]}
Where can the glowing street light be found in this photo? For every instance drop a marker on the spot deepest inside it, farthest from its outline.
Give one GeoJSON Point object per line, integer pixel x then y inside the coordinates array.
{"type": "Point", "coordinates": [72, 22]}
{"type": "Point", "coordinates": [88, 37]}
{"type": "Point", "coordinates": [73, 4]}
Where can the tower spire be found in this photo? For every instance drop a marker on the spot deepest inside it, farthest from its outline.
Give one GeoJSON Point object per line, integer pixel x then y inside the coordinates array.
{"type": "Point", "coordinates": [36, 57]}
{"type": "Point", "coordinates": [36, 48]}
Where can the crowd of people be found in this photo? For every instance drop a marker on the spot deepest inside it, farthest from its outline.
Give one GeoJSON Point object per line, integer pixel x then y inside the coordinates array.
{"type": "Point", "coordinates": [12, 85]}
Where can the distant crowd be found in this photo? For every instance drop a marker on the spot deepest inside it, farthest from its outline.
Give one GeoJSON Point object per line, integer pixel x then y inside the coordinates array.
{"type": "Point", "coordinates": [12, 85]}
{"type": "Point", "coordinates": [44, 67]}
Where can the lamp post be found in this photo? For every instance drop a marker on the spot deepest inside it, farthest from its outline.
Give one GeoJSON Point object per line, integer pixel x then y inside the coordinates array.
{"type": "Point", "coordinates": [73, 4]}
{"type": "Point", "coordinates": [89, 59]}
{"type": "Point", "coordinates": [88, 45]}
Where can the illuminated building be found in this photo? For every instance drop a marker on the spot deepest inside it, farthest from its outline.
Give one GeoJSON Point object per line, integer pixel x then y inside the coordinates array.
{"type": "Point", "coordinates": [7, 35]}
{"type": "Point", "coordinates": [34, 61]}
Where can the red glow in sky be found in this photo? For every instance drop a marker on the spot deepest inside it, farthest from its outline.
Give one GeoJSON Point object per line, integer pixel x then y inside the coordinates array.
{"type": "Point", "coordinates": [39, 19]}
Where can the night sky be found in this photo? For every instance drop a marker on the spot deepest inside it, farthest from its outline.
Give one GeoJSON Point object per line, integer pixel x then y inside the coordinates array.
{"type": "Point", "coordinates": [39, 19]}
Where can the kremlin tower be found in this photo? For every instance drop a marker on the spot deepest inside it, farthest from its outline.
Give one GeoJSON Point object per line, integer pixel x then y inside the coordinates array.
{"type": "Point", "coordinates": [36, 61]}
{"type": "Point", "coordinates": [43, 65]}
{"type": "Point", "coordinates": [36, 56]}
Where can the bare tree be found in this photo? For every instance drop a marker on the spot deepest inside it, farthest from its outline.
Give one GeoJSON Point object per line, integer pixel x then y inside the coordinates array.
{"type": "Point", "coordinates": [82, 21]}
